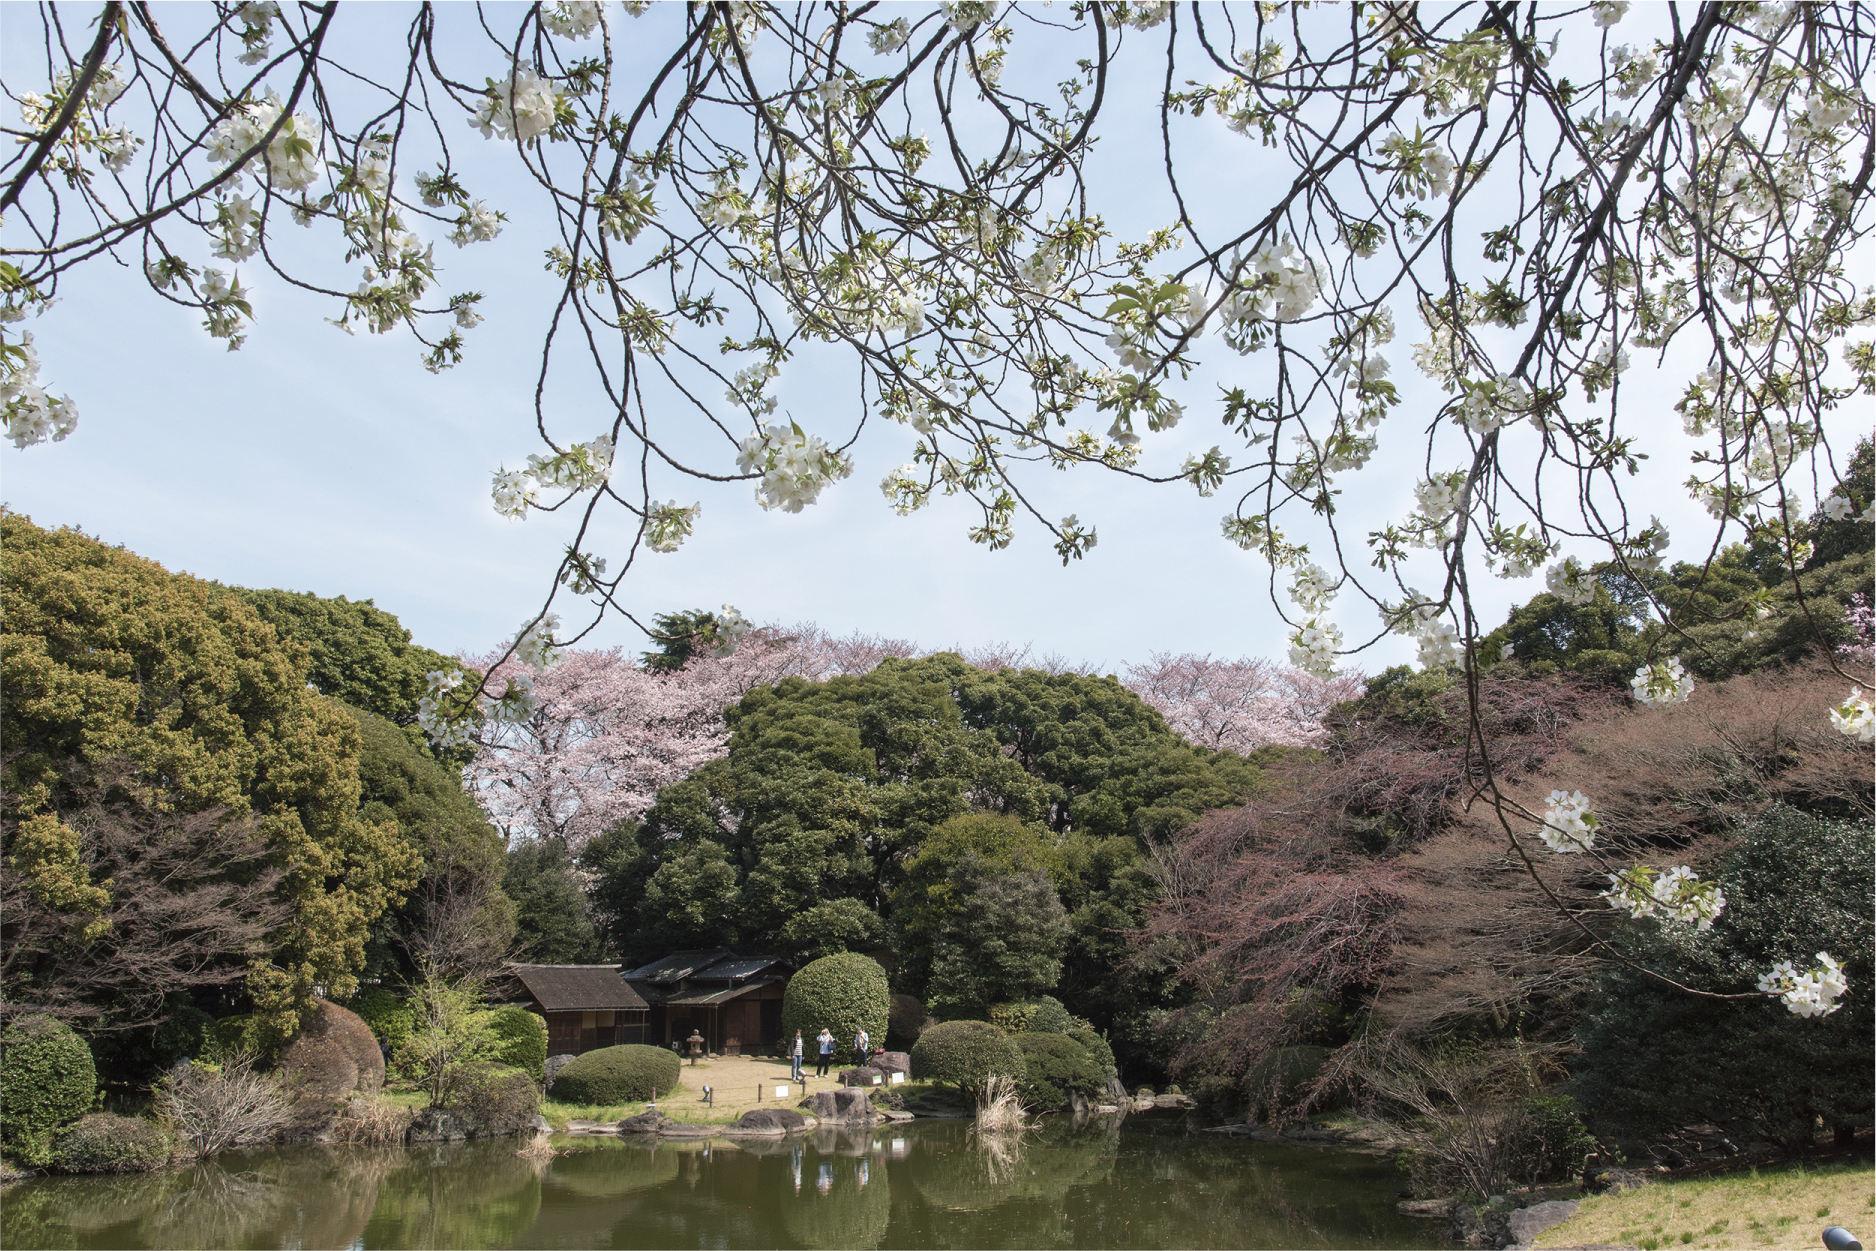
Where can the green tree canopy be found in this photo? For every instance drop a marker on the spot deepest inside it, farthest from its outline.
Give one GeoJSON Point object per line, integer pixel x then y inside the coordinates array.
{"type": "Point", "coordinates": [835, 791]}
{"type": "Point", "coordinates": [554, 922]}
{"type": "Point", "coordinates": [457, 915]}
{"type": "Point", "coordinates": [1654, 1057]}
{"type": "Point", "coordinates": [358, 654]}
{"type": "Point", "coordinates": [107, 657]}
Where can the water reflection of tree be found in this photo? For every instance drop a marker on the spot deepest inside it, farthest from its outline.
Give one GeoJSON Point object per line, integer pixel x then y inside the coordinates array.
{"type": "Point", "coordinates": [851, 1210]}
{"type": "Point", "coordinates": [236, 1199]}
{"type": "Point", "coordinates": [968, 1173]}
{"type": "Point", "coordinates": [472, 1194]}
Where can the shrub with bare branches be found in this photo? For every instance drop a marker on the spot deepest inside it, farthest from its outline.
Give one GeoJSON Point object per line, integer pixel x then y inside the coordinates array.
{"type": "Point", "coordinates": [213, 1106]}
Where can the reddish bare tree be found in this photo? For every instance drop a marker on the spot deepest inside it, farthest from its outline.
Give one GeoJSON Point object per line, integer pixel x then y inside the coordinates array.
{"type": "Point", "coordinates": [192, 901]}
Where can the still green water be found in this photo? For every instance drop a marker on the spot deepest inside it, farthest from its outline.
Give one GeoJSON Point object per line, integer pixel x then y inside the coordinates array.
{"type": "Point", "coordinates": [1140, 1183]}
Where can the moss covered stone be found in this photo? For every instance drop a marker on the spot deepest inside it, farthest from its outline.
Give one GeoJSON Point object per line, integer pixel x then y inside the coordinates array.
{"type": "Point", "coordinates": [624, 1074]}
{"type": "Point", "coordinates": [845, 992]}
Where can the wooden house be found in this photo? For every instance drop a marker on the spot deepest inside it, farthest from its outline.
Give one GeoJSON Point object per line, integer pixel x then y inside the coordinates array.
{"type": "Point", "coordinates": [733, 1000]}
{"type": "Point", "coordinates": [587, 1006]}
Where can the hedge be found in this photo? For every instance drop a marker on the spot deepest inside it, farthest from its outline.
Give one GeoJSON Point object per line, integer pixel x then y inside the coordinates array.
{"type": "Point", "coordinates": [843, 992]}
{"type": "Point", "coordinates": [47, 1080]}
{"type": "Point", "coordinates": [106, 1143]}
{"type": "Point", "coordinates": [520, 1040]}
{"type": "Point", "coordinates": [388, 1016]}
{"type": "Point", "coordinates": [965, 1054]}
{"type": "Point", "coordinates": [611, 1075]}
{"type": "Point", "coordinates": [1055, 1066]}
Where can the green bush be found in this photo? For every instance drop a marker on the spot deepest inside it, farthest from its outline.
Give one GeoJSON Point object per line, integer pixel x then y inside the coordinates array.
{"type": "Point", "coordinates": [1055, 1066]}
{"type": "Point", "coordinates": [389, 1017]}
{"type": "Point", "coordinates": [1096, 1046]}
{"type": "Point", "coordinates": [624, 1074]}
{"type": "Point", "coordinates": [965, 1054]}
{"type": "Point", "coordinates": [844, 992]}
{"type": "Point", "coordinates": [490, 1099]}
{"type": "Point", "coordinates": [1654, 1057]}
{"type": "Point", "coordinates": [46, 1080]}
{"type": "Point", "coordinates": [1554, 1143]}
{"type": "Point", "coordinates": [187, 1033]}
{"type": "Point", "coordinates": [520, 1040]}
{"type": "Point", "coordinates": [1043, 1015]}
{"type": "Point", "coordinates": [252, 1033]}
{"type": "Point", "coordinates": [106, 1143]}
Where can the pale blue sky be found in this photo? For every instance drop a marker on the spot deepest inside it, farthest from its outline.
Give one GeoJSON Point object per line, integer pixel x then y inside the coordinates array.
{"type": "Point", "coordinates": [320, 462]}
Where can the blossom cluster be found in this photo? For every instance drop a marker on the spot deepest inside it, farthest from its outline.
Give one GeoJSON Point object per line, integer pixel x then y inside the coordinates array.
{"type": "Point", "coordinates": [1811, 993]}
{"type": "Point", "coordinates": [1855, 717]}
{"type": "Point", "coordinates": [581, 467]}
{"type": "Point", "coordinates": [1676, 895]}
{"type": "Point", "coordinates": [522, 106]}
{"type": "Point", "coordinates": [1569, 826]}
{"type": "Point", "coordinates": [668, 525]}
{"type": "Point", "coordinates": [795, 467]}
{"type": "Point", "coordinates": [1658, 685]}
{"type": "Point", "coordinates": [30, 414]}
{"type": "Point", "coordinates": [292, 159]}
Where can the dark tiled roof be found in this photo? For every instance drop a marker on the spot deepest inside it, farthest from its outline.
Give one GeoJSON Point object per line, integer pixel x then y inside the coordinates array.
{"type": "Point", "coordinates": [732, 969]}
{"type": "Point", "coordinates": [676, 967]}
{"type": "Point", "coordinates": [705, 998]}
{"type": "Point", "coordinates": [578, 987]}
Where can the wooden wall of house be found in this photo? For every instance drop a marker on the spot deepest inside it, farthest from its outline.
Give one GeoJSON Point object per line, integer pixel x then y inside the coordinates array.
{"type": "Point", "coordinates": [574, 1033]}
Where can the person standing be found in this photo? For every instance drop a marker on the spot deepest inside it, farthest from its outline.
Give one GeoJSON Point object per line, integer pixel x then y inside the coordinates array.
{"type": "Point", "coordinates": [827, 1051]}
{"type": "Point", "coordinates": [794, 1058]}
{"type": "Point", "coordinates": [862, 1047]}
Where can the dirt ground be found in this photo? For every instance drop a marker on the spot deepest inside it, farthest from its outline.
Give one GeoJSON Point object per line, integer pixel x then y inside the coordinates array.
{"type": "Point", "coordinates": [735, 1080]}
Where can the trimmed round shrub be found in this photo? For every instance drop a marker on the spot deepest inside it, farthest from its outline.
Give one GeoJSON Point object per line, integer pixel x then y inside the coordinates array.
{"type": "Point", "coordinates": [521, 1040]}
{"type": "Point", "coordinates": [623, 1074]}
{"type": "Point", "coordinates": [106, 1143]}
{"type": "Point", "coordinates": [1050, 1017]}
{"type": "Point", "coordinates": [965, 1054]}
{"type": "Point", "coordinates": [844, 993]}
{"type": "Point", "coordinates": [490, 1099]}
{"type": "Point", "coordinates": [46, 1080]}
{"type": "Point", "coordinates": [1055, 1066]}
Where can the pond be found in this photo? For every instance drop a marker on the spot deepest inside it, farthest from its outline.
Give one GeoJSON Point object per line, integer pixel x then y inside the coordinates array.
{"type": "Point", "coordinates": [1138, 1183]}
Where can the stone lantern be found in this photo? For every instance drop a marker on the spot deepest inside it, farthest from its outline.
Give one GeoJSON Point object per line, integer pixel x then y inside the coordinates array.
{"type": "Point", "coordinates": [696, 1043]}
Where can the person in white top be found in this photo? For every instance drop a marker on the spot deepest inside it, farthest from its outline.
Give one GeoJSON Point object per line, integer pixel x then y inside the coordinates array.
{"type": "Point", "coordinates": [794, 1058]}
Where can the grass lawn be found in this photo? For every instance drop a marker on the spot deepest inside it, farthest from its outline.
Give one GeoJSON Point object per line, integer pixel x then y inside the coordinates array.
{"type": "Point", "coordinates": [735, 1079]}
{"type": "Point", "coordinates": [1782, 1207]}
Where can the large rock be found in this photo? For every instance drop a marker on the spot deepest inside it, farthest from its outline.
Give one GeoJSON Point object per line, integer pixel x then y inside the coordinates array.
{"type": "Point", "coordinates": [1527, 1223]}
{"type": "Point", "coordinates": [847, 1106]}
{"type": "Point", "coordinates": [644, 1123]}
{"type": "Point", "coordinates": [890, 1062]}
{"type": "Point", "coordinates": [437, 1125]}
{"type": "Point", "coordinates": [769, 1121]}
{"type": "Point", "coordinates": [864, 1076]}
{"type": "Point", "coordinates": [334, 1054]}
{"type": "Point", "coordinates": [551, 1069]}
